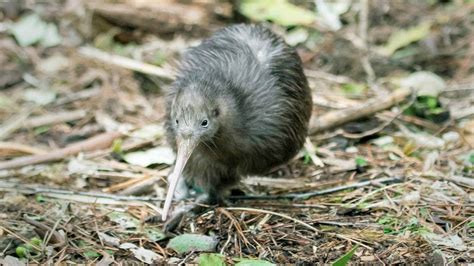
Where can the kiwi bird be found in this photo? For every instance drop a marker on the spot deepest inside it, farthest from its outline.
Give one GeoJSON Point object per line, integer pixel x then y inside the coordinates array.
{"type": "Point", "coordinates": [240, 105]}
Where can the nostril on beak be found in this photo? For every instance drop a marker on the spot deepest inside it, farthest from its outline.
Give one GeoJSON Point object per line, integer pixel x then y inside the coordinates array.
{"type": "Point", "coordinates": [186, 133]}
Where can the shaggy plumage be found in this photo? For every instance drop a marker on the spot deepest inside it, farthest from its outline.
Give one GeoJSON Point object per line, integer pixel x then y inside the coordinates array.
{"type": "Point", "coordinates": [242, 97]}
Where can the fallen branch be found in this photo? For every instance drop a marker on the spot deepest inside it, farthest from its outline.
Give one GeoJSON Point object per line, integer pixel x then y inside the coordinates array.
{"type": "Point", "coordinates": [14, 123]}
{"type": "Point", "coordinates": [159, 16]}
{"type": "Point", "coordinates": [333, 119]}
{"type": "Point", "coordinates": [15, 149]}
{"type": "Point", "coordinates": [54, 118]}
{"type": "Point", "coordinates": [382, 126]}
{"type": "Point", "coordinates": [95, 143]}
{"type": "Point", "coordinates": [86, 197]}
{"type": "Point", "coordinates": [125, 62]}
{"type": "Point", "coordinates": [465, 181]}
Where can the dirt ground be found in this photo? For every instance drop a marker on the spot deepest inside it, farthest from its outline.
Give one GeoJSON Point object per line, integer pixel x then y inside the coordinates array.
{"type": "Point", "coordinates": [388, 179]}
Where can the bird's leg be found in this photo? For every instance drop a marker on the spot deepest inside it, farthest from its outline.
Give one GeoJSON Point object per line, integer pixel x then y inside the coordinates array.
{"type": "Point", "coordinates": [180, 212]}
{"type": "Point", "coordinates": [214, 196]}
{"type": "Point", "coordinates": [215, 190]}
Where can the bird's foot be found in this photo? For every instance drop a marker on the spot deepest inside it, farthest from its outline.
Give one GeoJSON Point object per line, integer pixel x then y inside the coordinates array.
{"type": "Point", "coordinates": [186, 209]}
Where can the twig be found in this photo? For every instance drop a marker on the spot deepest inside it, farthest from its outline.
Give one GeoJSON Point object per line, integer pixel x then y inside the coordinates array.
{"type": "Point", "coordinates": [236, 224]}
{"type": "Point", "coordinates": [75, 96]}
{"type": "Point", "coordinates": [125, 62]}
{"type": "Point", "coordinates": [141, 185]}
{"type": "Point", "coordinates": [298, 222]}
{"type": "Point", "coordinates": [387, 115]}
{"type": "Point", "coordinates": [363, 28]}
{"type": "Point", "coordinates": [58, 238]}
{"type": "Point", "coordinates": [383, 125]}
{"type": "Point", "coordinates": [126, 147]}
{"type": "Point", "coordinates": [97, 142]}
{"type": "Point", "coordinates": [339, 117]}
{"type": "Point", "coordinates": [460, 114]}
{"type": "Point", "coordinates": [372, 193]}
{"type": "Point", "coordinates": [7, 148]}
{"type": "Point", "coordinates": [14, 123]}
{"type": "Point", "coordinates": [318, 74]}
{"type": "Point", "coordinates": [309, 146]}
{"type": "Point", "coordinates": [87, 197]}
{"type": "Point", "coordinates": [54, 118]}
{"type": "Point", "coordinates": [300, 196]}
{"type": "Point", "coordinates": [350, 224]}
{"type": "Point", "coordinates": [461, 180]}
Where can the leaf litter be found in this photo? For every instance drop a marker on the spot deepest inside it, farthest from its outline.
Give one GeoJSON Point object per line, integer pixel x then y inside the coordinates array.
{"type": "Point", "coordinates": [399, 195]}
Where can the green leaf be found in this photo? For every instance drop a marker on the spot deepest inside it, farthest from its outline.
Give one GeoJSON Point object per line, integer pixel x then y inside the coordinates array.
{"type": "Point", "coordinates": [361, 161]}
{"type": "Point", "coordinates": [431, 102]}
{"type": "Point", "coordinates": [105, 41]}
{"type": "Point", "coordinates": [251, 262]}
{"type": "Point", "coordinates": [39, 198]}
{"type": "Point", "coordinates": [117, 146]}
{"type": "Point", "coordinates": [42, 129]}
{"type": "Point", "coordinates": [22, 251]}
{"type": "Point", "coordinates": [110, 252]}
{"type": "Point", "coordinates": [279, 11]}
{"type": "Point", "coordinates": [342, 261]}
{"type": "Point", "coordinates": [123, 219]}
{"type": "Point", "coordinates": [471, 158]}
{"type": "Point", "coordinates": [154, 234]}
{"type": "Point", "coordinates": [159, 58]}
{"type": "Point", "coordinates": [470, 224]}
{"type": "Point", "coordinates": [36, 242]}
{"type": "Point", "coordinates": [404, 37]}
{"type": "Point", "coordinates": [306, 158]}
{"type": "Point", "coordinates": [211, 259]}
{"type": "Point", "coordinates": [354, 88]}
{"type": "Point", "coordinates": [91, 254]}
{"type": "Point", "coordinates": [189, 242]}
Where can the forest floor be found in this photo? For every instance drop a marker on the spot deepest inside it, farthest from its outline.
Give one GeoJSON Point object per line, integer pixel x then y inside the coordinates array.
{"type": "Point", "coordinates": [83, 158]}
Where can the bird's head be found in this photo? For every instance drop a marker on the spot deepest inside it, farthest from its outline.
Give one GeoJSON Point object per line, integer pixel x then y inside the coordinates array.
{"type": "Point", "coordinates": [196, 115]}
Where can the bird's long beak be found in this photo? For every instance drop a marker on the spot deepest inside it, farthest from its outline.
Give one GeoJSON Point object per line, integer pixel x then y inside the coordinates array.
{"type": "Point", "coordinates": [185, 149]}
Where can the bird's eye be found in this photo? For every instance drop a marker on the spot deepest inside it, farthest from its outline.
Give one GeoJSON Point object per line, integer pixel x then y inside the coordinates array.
{"type": "Point", "coordinates": [204, 123]}
{"type": "Point", "coordinates": [176, 121]}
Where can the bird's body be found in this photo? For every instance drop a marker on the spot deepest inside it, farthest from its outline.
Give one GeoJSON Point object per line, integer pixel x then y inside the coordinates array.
{"type": "Point", "coordinates": [240, 104]}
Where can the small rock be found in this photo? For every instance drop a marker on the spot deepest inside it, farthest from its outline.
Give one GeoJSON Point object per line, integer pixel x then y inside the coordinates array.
{"type": "Point", "coordinates": [451, 136]}
{"type": "Point", "coordinates": [352, 149]}
{"type": "Point", "coordinates": [425, 83]}
{"type": "Point", "coordinates": [367, 258]}
{"type": "Point", "coordinates": [383, 141]}
{"type": "Point", "coordinates": [52, 65]}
